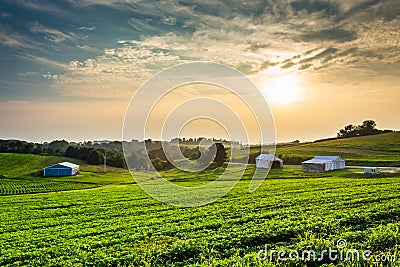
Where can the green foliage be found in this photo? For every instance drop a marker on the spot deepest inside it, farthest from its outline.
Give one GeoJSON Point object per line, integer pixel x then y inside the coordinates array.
{"type": "Point", "coordinates": [365, 129]}
{"type": "Point", "coordinates": [161, 165]}
{"type": "Point", "coordinates": [122, 226]}
{"type": "Point", "coordinates": [219, 158]}
{"type": "Point", "coordinates": [94, 157]}
{"type": "Point", "coordinates": [221, 155]}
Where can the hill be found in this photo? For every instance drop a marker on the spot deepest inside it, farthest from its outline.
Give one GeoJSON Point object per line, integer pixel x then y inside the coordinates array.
{"type": "Point", "coordinates": [20, 174]}
{"type": "Point", "coordinates": [374, 150]}
{"type": "Point", "coordinates": [12, 165]}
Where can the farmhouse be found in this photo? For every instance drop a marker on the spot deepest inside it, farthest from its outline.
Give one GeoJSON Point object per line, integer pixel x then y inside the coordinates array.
{"type": "Point", "coordinates": [61, 169]}
{"type": "Point", "coordinates": [265, 161]}
{"type": "Point", "coordinates": [323, 164]}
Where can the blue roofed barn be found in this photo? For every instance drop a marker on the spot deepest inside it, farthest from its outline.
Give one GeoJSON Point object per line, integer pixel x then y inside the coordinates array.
{"type": "Point", "coordinates": [61, 169]}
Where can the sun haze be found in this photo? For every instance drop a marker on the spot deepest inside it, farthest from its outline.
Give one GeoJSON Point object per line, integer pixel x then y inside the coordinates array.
{"type": "Point", "coordinates": [320, 64]}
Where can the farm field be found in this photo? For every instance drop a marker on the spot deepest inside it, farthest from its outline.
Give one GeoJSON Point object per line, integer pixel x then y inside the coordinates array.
{"type": "Point", "coordinates": [20, 174]}
{"type": "Point", "coordinates": [376, 150]}
{"type": "Point", "coordinates": [119, 225]}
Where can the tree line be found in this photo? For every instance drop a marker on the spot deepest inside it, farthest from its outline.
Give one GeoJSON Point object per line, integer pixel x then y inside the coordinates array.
{"type": "Point", "coordinates": [86, 151]}
{"type": "Point", "coordinates": [368, 127]}
{"type": "Point", "coordinates": [93, 152]}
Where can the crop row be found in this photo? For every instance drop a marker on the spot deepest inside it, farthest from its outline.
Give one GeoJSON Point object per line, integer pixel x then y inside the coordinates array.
{"type": "Point", "coordinates": [26, 186]}
{"type": "Point", "coordinates": [123, 226]}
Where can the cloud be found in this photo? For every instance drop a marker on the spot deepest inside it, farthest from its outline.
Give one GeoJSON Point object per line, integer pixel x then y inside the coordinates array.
{"type": "Point", "coordinates": [42, 6]}
{"type": "Point", "coordinates": [27, 74]}
{"type": "Point", "coordinates": [52, 35]}
{"type": "Point", "coordinates": [14, 40]}
{"type": "Point", "coordinates": [85, 28]}
{"type": "Point", "coordinates": [5, 15]}
{"type": "Point", "coordinates": [113, 74]}
{"type": "Point", "coordinates": [44, 61]}
{"type": "Point", "coordinates": [327, 8]}
{"type": "Point", "coordinates": [334, 34]}
{"type": "Point", "coordinates": [258, 37]}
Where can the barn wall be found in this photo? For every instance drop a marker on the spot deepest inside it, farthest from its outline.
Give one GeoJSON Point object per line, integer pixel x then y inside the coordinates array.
{"type": "Point", "coordinates": [312, 167]}
{"type": "Point", "coordinates": [74, 171]}
{"type": "Point", "coordinates": [263, 164]}
{"type": "Point", "coordinates": [58, 172]}
{"type": "Point", "coordinates": [276, 164]}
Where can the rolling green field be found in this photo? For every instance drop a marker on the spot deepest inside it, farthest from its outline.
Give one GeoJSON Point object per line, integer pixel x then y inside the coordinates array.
{"type": "Point", "coordinates": [117, 224]}
{"type": "Point", "coordinates": [105, 219]}
{"type": "Point", "coordinates": [376, 150]}
{"type": "Point", "coordinates": [20, 174]}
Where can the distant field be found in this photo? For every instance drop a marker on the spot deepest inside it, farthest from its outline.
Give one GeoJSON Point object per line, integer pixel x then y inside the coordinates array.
{"type": "Point", "coordinates": [20, 174]}
{"type": "Point", "coordinates": [122, 226]}
{"type": "Point", "coordinates": [376, 150]}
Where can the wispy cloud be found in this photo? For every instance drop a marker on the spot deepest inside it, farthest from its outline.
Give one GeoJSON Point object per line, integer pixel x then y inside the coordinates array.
{"type": "Point", "coordinates": [12, 39]}
{"type": "Point", "coordinates": [42, 5]}
{"type": "Point", "coordinates": [5, 15]}
{"type": "Point", "coordinates": [44, 61]}
{"type": "Point", "coordinates": [86, 28]}
{"type": "Point", "coordinates": [27, 74]}
{"type": "Point", "coordinates": [257, 38]}
{"type": "Point", "coordinates": [50, 34]}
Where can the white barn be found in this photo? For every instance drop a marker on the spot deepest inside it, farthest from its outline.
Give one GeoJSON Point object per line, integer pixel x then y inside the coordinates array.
{"type": "Point", "coordinates": [323, 164]}
{"type": "Point", "coordinates": [265, 161]}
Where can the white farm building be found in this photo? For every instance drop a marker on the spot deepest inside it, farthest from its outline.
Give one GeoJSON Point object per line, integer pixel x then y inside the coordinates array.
{"type": "Point", "coordinates": [323, 164]}
{"type": "Point", "coordinates": [265, 161]}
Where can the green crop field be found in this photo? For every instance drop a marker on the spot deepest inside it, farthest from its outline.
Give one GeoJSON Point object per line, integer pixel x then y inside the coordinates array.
{"type": "Point", "coordinates": [118, 224]}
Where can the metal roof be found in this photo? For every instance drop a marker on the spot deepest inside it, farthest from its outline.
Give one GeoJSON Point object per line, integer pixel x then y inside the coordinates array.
{"type": "Point", "coordinates": [268, 157]}
{"type": "Point", "coordinates": [68, 164]}
{"type": "Point", "coordinates": [323, 159]}
{"type": "Point", "coordinates": [65, 164]}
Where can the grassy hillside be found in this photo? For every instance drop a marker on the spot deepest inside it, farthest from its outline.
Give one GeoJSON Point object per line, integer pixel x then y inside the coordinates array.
{"type": "Point", "coordinates": [381, 142]}
{"type": "Point", "coordinates": [381, 150]}
{"type": "Point", "coordinates": [20, 174]}
{"type": "Point", "coordinates": [13, 165]}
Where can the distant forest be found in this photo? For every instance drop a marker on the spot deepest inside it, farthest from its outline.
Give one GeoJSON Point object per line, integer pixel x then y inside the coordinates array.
{"type": "Point", "coordinates": [94, 152]}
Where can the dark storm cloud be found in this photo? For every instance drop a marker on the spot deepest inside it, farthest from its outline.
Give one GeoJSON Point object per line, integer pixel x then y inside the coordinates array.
{"type": "Point", "coordinates": [327, 8]}
{"type": "Point", "coordinates": [334, 34]}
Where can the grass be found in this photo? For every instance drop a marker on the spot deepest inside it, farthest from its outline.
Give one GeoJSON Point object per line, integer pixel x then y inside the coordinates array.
{"type": "Point", "coordinates": [376, 150]}
{"type": "Point", "coordinates": [20, 174]}
{"type": "Point", "coordinates": [122, 226]}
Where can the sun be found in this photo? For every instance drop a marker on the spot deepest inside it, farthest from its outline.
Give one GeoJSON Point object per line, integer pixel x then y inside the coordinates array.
{"type": "Point", "coordinates": [284, 89]}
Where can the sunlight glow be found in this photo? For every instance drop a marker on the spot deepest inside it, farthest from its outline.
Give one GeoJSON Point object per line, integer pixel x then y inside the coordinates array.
{"type": "Point", "coordinates": [284, 89]}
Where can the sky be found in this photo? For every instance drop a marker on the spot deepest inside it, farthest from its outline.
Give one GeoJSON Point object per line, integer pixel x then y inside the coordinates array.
{"type": "Point", "coordinates": [68, 69]}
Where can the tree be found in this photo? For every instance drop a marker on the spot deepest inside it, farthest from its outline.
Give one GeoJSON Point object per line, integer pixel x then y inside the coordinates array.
{"type": "Point", "coordinates": [94, 157]}
{"type": "Point", "coordinates": [70, 152]}
{"type": "Point", "coordinates": [221, 155]}
{"type": "Point", "coordinates": [219, 158]}
{"type": "Point", "coordinates": [368, 127]}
